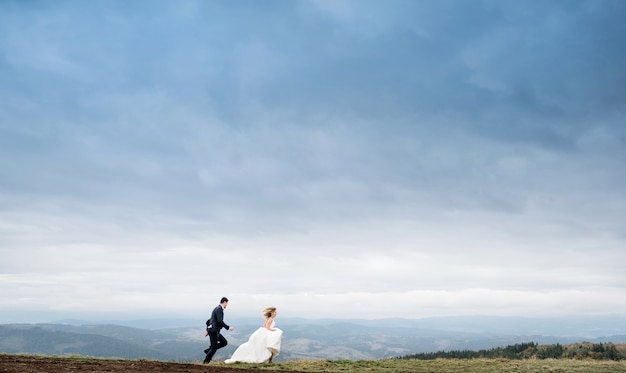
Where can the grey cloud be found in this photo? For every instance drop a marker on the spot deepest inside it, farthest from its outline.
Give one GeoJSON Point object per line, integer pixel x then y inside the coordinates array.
{"type": "Point", "coordinates": [459, 136]}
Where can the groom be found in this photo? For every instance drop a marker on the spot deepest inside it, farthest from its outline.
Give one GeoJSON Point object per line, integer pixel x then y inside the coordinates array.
{"type": "Point", "coordinates": [214, 326]}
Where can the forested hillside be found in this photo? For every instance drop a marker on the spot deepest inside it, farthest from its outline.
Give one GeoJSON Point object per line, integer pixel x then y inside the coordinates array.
{"type": "Point", "coordinates": [39, 340]}
{"type": "Point", "coordinates": [584, 350]}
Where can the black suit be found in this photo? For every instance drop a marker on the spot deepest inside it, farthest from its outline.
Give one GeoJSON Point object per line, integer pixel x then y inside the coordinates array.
{"type": "Point", "coordinates": [214, 326]}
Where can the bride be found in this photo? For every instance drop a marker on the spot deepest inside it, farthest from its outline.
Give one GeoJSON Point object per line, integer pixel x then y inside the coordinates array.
{"type": "Point", "coordinates": [263, 345]}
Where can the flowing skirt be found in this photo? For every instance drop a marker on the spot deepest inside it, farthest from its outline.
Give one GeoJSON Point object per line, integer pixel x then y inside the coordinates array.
{"type": "Point", "coordinates": [261, 345]}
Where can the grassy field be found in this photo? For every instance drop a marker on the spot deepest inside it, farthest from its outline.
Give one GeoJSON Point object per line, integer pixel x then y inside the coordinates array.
{"type": "Point", "coordinates": [445, 366]}
{"type": "Point", "coordinates": [78, 364]}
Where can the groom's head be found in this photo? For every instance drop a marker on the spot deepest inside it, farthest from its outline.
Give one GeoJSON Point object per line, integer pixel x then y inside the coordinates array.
{"type": "Point", "coordinates": [224, 302]}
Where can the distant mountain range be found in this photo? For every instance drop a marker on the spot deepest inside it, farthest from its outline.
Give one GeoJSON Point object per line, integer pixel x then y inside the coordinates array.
{"type": "Point", "coordinates": [183, 340]}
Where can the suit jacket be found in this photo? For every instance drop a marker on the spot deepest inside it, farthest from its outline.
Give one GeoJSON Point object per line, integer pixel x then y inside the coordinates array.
{"type": "Point", "coordinates": [216, 322]}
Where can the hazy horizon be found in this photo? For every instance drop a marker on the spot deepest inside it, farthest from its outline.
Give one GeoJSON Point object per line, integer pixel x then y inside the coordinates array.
{"type": "Point", "coordinates": [560, 326]}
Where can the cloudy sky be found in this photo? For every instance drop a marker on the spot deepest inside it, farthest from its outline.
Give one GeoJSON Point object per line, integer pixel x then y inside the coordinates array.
{"type": "Point", "coordinates": [349, 159]}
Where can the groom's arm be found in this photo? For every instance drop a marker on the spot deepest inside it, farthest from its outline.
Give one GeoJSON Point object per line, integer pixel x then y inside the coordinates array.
{"type": "Point", "coordinates": [220, 319]}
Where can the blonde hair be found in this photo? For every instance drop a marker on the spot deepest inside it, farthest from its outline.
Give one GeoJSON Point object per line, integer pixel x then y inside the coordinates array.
{"type": "Point", "coordinates": [268, 312]}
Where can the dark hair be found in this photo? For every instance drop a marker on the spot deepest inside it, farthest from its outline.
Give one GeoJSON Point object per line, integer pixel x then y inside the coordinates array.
{"type": "Point", "coordinates": [224, 299]}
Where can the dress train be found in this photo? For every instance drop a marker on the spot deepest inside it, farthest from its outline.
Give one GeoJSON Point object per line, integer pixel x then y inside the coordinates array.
{"type": "Point", "coordinates": [262, 345]}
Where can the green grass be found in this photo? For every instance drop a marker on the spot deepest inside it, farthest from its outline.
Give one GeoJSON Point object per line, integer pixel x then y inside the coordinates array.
{"type": "Point", "coordinates": [444, 366]}
{"type": "Point", "coordinates": [482, 365]}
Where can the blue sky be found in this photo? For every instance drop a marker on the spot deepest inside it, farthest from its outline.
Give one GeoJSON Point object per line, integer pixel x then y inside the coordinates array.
{"type": "Point", "coordinates": [351, 159]}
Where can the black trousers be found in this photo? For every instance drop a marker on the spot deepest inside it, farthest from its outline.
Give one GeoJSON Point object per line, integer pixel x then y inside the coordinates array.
{"type": "Point", "coordinates": [217, 341]}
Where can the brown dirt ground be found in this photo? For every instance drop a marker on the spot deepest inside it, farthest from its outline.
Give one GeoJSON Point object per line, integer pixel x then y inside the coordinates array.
{"type": "Point", "coordinates": [39, 364]}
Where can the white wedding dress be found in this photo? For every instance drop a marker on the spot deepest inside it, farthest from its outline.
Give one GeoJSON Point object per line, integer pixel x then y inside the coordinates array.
{"type": "Point", "coordinates": [261, 345]}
